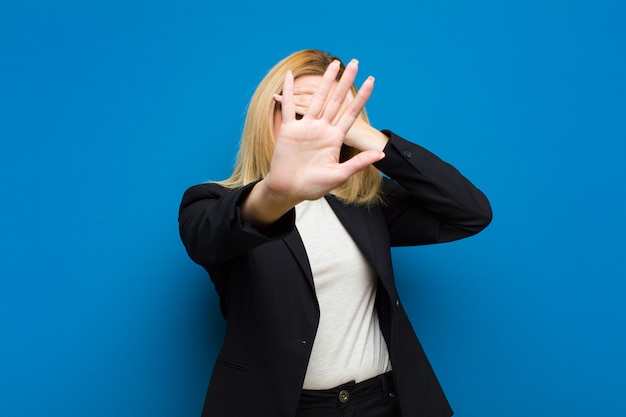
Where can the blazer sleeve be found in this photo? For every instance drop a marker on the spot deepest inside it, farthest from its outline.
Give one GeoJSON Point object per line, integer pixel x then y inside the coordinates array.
{"type": "Point", "coordinates": [211, 227]}
{"type": "Point", "coordinates": [426, 200]}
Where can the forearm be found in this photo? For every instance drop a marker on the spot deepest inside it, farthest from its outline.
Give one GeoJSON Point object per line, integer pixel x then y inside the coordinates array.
{"type": "Point", "coordinates": [263, 206]}
{"type": "Point", "coordinates": [364, 137]}
{"type": "Point", "coordinates": [455, 207]}
{"type": "Point", "coordinates": [212, 227]}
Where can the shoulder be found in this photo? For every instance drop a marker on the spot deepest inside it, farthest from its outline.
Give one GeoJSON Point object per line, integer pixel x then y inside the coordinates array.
{"type": "Point", "coordinates": [208, 188]}
{"type": "Point", "coordinates": [204, 191]}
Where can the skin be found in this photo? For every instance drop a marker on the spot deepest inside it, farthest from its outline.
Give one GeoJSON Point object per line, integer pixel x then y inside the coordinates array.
{"type": "Point", "coordinates": [305, 163]}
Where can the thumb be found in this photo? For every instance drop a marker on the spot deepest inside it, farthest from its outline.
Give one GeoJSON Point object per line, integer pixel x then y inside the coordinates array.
{"type": "Point", "coordinates": [361, 161]}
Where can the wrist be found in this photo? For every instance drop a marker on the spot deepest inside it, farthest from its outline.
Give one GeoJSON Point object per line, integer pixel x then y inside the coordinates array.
{"type": "Point", "coordinates": [265, 205]}
{"type": "Point", "coordinates": [369, 139]}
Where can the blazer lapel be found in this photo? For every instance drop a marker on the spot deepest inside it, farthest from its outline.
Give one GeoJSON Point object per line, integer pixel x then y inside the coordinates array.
{"type": "Point", "coordinates": [364, 235]}
{"type": "Point", "coordinates": [355, 222]}
{"type": "Point", "coordinates": [295, 245]}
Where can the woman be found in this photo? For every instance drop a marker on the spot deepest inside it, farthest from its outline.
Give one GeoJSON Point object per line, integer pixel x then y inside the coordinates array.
{"type": "Point", "coordinates": [297, 242]}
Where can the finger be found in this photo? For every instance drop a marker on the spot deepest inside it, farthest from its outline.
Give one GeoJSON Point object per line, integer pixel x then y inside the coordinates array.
{"type": "Point", "coordinates": [287, 106]}
{"type": "Point", "coordinates": [338, 96]}
{"type": "Point", "coordinates": [302, 101]}
{"type": "Point", "coordinates": [321, 93]}
{"type": "Point", "coordinates": [359, 162]}
{"type": "Point", "coordinates": [299, 100]}
{"type": "Point", "coordinates": [353, 110]}
{"type": "Point", "coordinates": [299, 107]}
{"type": "Point", "coordinates": [307, 89]}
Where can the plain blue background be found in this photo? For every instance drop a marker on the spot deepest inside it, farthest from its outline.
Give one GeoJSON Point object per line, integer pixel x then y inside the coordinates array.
{"type": "Point", "coordinates": [111, 109]}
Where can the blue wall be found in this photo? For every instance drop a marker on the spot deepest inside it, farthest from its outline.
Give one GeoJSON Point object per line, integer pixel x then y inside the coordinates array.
{"type": "Point", "coordinates": [110, 110]}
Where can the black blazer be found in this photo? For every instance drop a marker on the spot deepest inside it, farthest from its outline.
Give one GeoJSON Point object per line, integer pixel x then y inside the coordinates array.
{"type": "Point", "coordinates": [266, 288]}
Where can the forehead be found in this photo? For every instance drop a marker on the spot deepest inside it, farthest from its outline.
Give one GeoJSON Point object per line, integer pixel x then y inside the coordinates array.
{"type": "Point", "coordinates": [307, 81]}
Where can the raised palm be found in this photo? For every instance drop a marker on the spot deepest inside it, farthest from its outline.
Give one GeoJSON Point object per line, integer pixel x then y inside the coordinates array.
{"type": "Point", "coordinates": [305, 163]}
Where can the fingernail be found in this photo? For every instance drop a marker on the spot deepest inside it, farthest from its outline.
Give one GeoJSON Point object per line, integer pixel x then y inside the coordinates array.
{"type": "Point", "coordinates": [355, 61]}
{"type": "Point", "coordinates": [278, 97]}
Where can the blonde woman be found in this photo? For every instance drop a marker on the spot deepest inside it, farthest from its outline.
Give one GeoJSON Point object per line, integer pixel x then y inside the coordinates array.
{"type": "Point", "coordinates": [297, 242]}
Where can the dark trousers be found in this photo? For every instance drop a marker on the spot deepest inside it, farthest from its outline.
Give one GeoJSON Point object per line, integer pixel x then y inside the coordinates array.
{"type": "Point", "coordinates": [374, 397]}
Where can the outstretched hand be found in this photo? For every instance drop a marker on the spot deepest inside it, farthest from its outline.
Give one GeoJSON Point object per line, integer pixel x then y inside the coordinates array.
{"type": "Point", "coordinates": [305, 164]}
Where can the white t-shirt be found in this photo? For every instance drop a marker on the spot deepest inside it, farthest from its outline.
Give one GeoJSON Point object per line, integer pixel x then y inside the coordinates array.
{"type": "Point", "coordinates": [349, 345]}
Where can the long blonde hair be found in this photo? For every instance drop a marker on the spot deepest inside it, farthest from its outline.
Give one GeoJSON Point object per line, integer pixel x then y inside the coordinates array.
{"type": "Point", "coordinates": [257, 140]}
